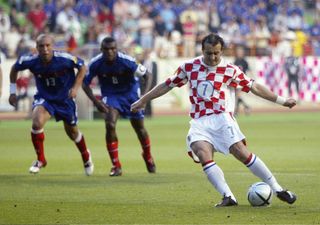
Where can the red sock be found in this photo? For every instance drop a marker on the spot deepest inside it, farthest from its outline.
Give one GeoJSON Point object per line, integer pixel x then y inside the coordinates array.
{"type": "Point", "coordinates": [81, 145]}
{"type": "Point", "coordinates": [37, 137]}
{"type": "Point", "coordinates": [146, 148]}
{"type": "Point", "coordinates": [113, 153]}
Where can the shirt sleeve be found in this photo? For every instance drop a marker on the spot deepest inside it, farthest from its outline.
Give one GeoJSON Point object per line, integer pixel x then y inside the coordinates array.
{"type": "Point", "coordinates": [241, 81]}
{"type": "Point", "coordinates": [89, 75]}
{"type": "Point", "coordinates": [178, 79]}
{"type": "Point", "coordinates": [140, 71]}
{"type": "Point", "coordinates": [22, 63]}
{"type": "Point", "coordinates": [77, 62]}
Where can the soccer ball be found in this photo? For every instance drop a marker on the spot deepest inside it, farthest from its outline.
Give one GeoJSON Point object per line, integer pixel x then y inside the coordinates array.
{"type": "Point", "coordinates": [260, 194]}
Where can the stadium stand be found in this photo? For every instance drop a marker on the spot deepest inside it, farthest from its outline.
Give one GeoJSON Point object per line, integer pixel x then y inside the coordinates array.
{"type": "Point", "coordinates": [172, 29]}
{"type": "Point", "coordinates": [171, 26]}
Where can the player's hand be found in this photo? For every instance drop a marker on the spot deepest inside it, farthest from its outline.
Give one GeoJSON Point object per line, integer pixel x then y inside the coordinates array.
{"type": "Point", "coordinates": [13, 100]}
{"type": "Point", "coordinates": [290, 102]}
{"type": "Point", "coordinates": [138, 105]}
{"type": "Point", "coordinates": [102, 107]}
{"type": "Point", "coordinates": [72, 93]}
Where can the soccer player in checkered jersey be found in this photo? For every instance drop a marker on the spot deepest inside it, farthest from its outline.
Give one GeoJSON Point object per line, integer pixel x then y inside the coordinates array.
{"type": "Point", "coordinates": [118, 75]}
{"type": "Point", "coordinates": [212, 83]}
{"type": "Point", "coordinates": [57, 86]}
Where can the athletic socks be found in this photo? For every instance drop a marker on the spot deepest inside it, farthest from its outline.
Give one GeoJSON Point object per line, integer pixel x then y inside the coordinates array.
{"type": "Point", "coordinates": [113, 153]}
{"type": "Point", "coordinates": [146, 148]}
{"type": "Point", "coordinates": [81, 145]}
{"type": "Point", "coordinates": [216, 177]}
{"type": "Point", "coordinates": [258, 168]}
{"type": "Point", "coordinates": [37, 137]}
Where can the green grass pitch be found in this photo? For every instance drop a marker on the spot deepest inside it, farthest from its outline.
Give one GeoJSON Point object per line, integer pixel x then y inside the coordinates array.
{"type": "Point", "coordinates": [178, 193]}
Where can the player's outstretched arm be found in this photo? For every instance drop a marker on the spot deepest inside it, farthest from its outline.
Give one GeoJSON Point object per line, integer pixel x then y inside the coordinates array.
{"type": "Point", "coordinates": [156, 92]}
{"type": "Point", "coordinates": [265, 93]}
{"type": "Point", "coordinates": [13, 80]}
{"type": "Point", "coordinates": [77, 84]}
{"type": "Point", "coordinates": [99, 104]}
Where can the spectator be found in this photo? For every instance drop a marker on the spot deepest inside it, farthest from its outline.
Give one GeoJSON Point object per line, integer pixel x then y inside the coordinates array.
{"type": "Point", "coordinates": [189, 37]}
{"type": "Point", "coordinates": [262, 36]}
{"type": "Point", "coordinates": [292, 68]}
{"type": "Point", "coordinates": [242, 63]}
{"type": "Point", "coordinates": [120, 10]}
{"type": "Point", "coordinates": [214, 19]}
{"type": "Point", "coordinates": [1, 78]}
{"type": "Point", "coordinates": [168, 16]}
{"type": "Point", "coordinates": [160, 40]}
{"type": "Point", "coordinates": [280, 21]}
{"type": "Point", "coordinates": [37, 17]}
{"type": "Point", "coordinates": [146, 26]}
{"type": "Point", "coordinates": [284, 47]}
{"type": "Point", "coordinates": [4, 24]}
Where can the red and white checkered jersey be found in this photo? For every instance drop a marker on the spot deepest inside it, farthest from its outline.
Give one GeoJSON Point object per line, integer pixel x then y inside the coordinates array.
{"type": "Point", "coordinates": [211, 89]}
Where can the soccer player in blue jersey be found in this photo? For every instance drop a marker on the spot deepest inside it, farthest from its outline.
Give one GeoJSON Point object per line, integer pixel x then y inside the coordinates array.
{"type": "Point", "coordinates": [57, 86]}
{"type": "Point", "coordinates": [118, 75]}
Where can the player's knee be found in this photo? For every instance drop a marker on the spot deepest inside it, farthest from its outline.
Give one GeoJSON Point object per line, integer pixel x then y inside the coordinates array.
{"type": "Point", "coordinates": [240, 151]}
{"type": "Point", "coordinates": [111, 126]}
{"type": "Point", "coordinates": [72, 135]}
{"type": "Point", "coordinates": [141, 131]}
{"type": "Point", "coordinates": [36, 124]}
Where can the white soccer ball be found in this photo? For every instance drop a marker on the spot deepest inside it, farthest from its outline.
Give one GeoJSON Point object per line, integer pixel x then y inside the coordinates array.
{"type": "Point", "coordinates": [260, 194]}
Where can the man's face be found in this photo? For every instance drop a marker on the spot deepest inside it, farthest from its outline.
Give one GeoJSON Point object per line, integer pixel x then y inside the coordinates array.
{"type": "Point", "coordinates": [212, 54]}
{"type": "Point", "coordinates": [109, 50]}
{"type": "Point", "coordinates": [45, 48]}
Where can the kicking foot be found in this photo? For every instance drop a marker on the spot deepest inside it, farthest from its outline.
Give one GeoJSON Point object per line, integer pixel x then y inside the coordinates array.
{"type": "Point", "coordinates": [287, 196]}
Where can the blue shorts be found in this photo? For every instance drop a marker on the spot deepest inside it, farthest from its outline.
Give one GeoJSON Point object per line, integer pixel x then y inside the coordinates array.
{"type": "Point", "coordinates": [122, 102]}
{"type": "Point", "coordinates": [63, 110]}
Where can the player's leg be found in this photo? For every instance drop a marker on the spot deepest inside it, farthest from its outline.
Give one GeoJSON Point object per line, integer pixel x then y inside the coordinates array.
{"type": "Point", "coordinates": [290, 80]}
{"type": "Point", "coordinates": [215, 175]}
{"type": "Point", "coordinates": [39, 118]}
{"type": "Point", "coordinates": [296, 81]}
{"type": "Point", "coordinates": [139, 128]}
{"type": "Point", "coordinates": [258, 168]}
{"type": "Point", "coordinates": [111, 137]}
{"type": "Point", "coordinates": [75, 135]}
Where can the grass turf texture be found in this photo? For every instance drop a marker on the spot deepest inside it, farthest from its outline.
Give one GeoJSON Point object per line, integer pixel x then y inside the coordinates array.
{"type": "Point", "coordinates": [178, 194]}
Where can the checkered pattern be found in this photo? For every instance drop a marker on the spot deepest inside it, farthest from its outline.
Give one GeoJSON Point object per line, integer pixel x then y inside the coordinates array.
{"type": "Point", "coordinates": [271, 71]}
{"type": "Point", "coordinates": [211, 89]}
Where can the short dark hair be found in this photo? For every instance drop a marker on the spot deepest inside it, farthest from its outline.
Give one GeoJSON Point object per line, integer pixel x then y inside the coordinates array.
{"type": "Point", "coordinates": [108, 40]}
{"type": "Point", "coordinates": [213, 39]}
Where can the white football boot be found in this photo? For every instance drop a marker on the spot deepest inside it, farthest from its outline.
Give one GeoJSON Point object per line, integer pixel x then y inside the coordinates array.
{"type": "Point", "coordinates": [36, 166]}
{"type": "Point", "coordinates": [88, 166]}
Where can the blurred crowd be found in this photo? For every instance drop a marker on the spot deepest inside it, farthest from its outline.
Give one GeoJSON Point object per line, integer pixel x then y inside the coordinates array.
{"type": "Point", "coordinates": [169, 28]}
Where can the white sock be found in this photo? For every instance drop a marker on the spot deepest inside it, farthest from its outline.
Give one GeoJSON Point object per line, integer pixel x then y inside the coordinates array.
{"type": "Point", "coordinates": [216, 177]}
{"type": "Point", "coordinates": [259, 169]}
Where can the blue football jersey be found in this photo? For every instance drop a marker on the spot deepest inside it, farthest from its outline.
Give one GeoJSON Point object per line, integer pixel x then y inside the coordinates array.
{"type": "Point", "coordinates": [118, 77]}
{"type": "Point", "coordinates": [53, 80]}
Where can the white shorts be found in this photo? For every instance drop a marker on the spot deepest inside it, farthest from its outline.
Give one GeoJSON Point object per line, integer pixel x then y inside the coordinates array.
{"type": "Point", "coordinates": [220, 130]}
